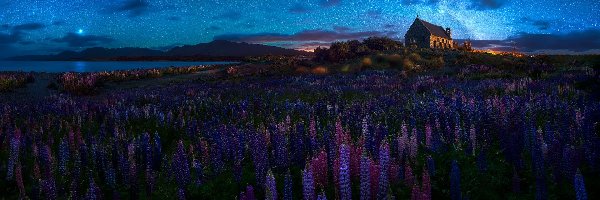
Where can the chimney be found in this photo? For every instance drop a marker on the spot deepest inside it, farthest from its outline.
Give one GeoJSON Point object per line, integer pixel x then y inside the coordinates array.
{"type": "Point", "coordinates": [448, 32]}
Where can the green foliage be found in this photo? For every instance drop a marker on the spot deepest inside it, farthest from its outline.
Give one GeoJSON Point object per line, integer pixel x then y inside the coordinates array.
{"type": "Point", "coordinates": [343, 51]}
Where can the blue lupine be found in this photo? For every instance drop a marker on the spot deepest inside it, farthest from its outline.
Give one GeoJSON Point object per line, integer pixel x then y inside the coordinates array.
{"type": "Point", "coordinates": [579, 185]}
{"type": "Point", "coordinates": [455, 193]}
{"type": "Point", "coordinates": [308, 184]}
{"type": "Point", "coordinates": [181, 168]}
{"type": "Point", "coordinates": [365, 177]}
{"type": "Point", "coordinates": [287, 186]}
{"type": "Point", "coordinates": [63, 156]}
{"type": "Point", "coordinates": [198, 170]}
{"type": "Point", "coordinates": [384, 159]}
{"type": "Point", "coordinates": [271, 187]}
{"type": "Point", "coordinates": [322, 196]}
{"type": "Point", "coordinates": [13, 157]}
{"type": "Point", "coordinates": [259, 157]}
{"type": "Point", "coordinates": [344, 176]}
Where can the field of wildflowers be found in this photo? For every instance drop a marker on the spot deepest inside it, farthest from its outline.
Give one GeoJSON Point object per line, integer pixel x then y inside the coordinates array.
{"type": "Point", "coordinates": [370, 135]}
{"type": "Point", "coordinates": [10, 81]}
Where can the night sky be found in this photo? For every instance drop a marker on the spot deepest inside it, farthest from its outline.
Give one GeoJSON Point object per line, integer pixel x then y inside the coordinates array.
{"type": "Point", "coordinates": [51, 26]}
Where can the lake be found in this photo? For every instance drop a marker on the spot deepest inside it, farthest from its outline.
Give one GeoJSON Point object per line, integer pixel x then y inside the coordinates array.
{"type": "Point", "coordinates": [92, 66]}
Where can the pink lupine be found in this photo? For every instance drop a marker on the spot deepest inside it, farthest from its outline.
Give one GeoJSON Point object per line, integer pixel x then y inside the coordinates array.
{"type": "Point", "coordinates": [409, 178]}
{"type": "Point", "coordinates": [319, 168]}
{"type": "Point", "coordinates": [414, 146]}
{"type": "Point", "coordinates": [473, 138]}
{"type": "Point", "coordinates": [416, 193]}
{"type": "Point", "coordinates": [428, 136]}
{"type": "Point", "coordinates": [426, 185]}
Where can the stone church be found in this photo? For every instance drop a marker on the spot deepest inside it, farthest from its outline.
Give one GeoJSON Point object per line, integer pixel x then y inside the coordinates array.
{"type": "Point", "coordinates": [423, 34]}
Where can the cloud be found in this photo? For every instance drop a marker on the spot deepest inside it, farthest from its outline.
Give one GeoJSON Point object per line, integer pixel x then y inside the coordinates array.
{"type": "Point", "coordinates": [134, 8]}
{"type": "Point", "coordinates": [303, 36]}
{"type": "Point", "coordinates": [59, 23]}
{"type": "Point", "coordinates": [214, 28]}
{"type": "Point", "coordinates": [486, 4]}
{"type": "Point", "coordinates": [174, 18]}
{"type": "Point", "coordinates": [29, 27]}
{"type": "Point", "coordinates": [539, 24]}
{"type": "Point", "coordinates": [330, 3]}
{"type": "Point", "coordinates": [374, 14]}
{"type": "Point", "coordinates": [414, 2]}
{"type": "Point", "coordinates": [10, 38]}
{"type": "Point", "coordinates": [299, 9]}
{"type": "Point", "coordinates": [342, 28]}
{"type": "Point", "coordinates": [77, 40]}
{"type": "Point", "coordinates": [230, 15]}
{"type": "Point", "coordinates": [577, 41]}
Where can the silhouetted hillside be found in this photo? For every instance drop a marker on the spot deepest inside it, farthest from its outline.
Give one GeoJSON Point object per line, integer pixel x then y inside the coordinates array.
{"type": "Point", "coordinates": [234, 49]}
{"type": "Point", "coordinates": [204, 51]}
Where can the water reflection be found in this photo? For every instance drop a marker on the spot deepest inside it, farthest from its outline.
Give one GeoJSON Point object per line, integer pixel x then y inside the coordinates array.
{"type": "Point", "coordinates": [84, 66]}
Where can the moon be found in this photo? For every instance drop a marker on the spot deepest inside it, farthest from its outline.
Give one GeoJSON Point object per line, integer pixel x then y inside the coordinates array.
{"type": "Point", "coordinates": [80, 31]}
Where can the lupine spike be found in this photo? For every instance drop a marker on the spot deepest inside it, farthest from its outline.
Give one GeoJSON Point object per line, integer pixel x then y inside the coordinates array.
{"type": "Point", "coordinates": [308, 184]}
{"type": "Point", "coordinates": [271, 187]}
{"type": "Point", "coordinates": [580, 191]}
{"type": "Point", "coordinates": [344, 177]}
{"type": "Point", "coordinates": [365, 177]}
{"type": "Point", "coordinates": [384, 160]}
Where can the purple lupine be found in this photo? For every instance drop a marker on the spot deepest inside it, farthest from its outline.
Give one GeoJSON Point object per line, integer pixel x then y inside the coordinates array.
{"type": "Point", "coordinates": [426, 186]}
{"type": "Point", "coordinates": [133, 178]}
{"type": "Point", "coordinates": [197, 165]}
{"type": "Point", "coordinates": [431, 165]}
{"type": "Point", "coordinates": [63, 156]}
{"type": "Point", "coordinates": [49, 189]}
{"type": "Point", "coordinates": [250, 193]}
{"type": "Point", "coordinates": [322, 196]}
{"type": "Point", "coordinates": [415, 193]}
{"type": "Point", "coordinates": [473, 138]}
{"type": "Point", "coordinates": [150, 174]}
{"type": "Point", "coordinates": [428, 136]}
{"type": "Point", "coordinates": [409, 177]}
{"type": "Point", "coordinates": [579, 185]}
{"type": "Point", "coordinates": [455, 193]}
{"type": "Point", "coordinates": [19, 180]}
{"type": "Point", "coordinates": [384, 161]}
{"type": "Point", "coordinates": [13, 156]}
{"type": "Point", "coordinates": [93, 191]}
{"type": "Point", "coordinates": [181, 168]}
{"type": "Point", "coordinates": [270, 186]}
{"type": "Point", "coordinates": [414, 145]}
{"type": "Point", "coordinates": [365, 177]}
{"type": "Point", "coordinates": [308, 184]}
{"type": "Point", "coordinates": [259, 157]}
{"type": "Point", "coordinates": [157, 154]}
{"type": "Point", "coordinates": [344, 177]}
{"type": "Point", "coordinates": [287, 186]}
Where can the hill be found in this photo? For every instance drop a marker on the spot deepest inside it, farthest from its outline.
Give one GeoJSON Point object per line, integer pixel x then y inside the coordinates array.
{"type": "Point", "coordinates": [218, 49]}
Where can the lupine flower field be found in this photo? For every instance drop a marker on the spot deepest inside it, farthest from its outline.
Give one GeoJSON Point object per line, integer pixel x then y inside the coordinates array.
{"type": "Point", "coordinates": [369, 135]}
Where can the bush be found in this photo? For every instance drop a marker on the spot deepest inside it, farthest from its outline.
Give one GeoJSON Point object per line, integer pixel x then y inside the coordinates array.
{"type": "Point", "coordinates": [320, 70]}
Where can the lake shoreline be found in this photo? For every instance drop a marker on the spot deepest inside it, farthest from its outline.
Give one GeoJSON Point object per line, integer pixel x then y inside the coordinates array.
{"type": "Point", "coordinates": [96, 66]}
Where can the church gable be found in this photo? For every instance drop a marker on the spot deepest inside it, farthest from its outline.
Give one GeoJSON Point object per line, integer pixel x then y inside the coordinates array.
{"type": "Point", "coordinates": [423, 34]}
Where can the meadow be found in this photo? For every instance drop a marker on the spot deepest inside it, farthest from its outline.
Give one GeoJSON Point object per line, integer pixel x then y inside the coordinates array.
{"type": "Point", "coordinates": [468, 132]}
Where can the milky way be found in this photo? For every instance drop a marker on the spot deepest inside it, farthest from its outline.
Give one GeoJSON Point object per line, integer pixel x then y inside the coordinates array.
{"type": "Point", "coordinates": [41, 27]}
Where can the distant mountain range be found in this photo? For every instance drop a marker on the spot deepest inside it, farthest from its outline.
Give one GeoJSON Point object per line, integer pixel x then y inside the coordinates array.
{"type": "Point", "coordinates": [215, 50]}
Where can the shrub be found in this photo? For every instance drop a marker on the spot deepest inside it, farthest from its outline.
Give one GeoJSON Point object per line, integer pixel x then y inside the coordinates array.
{"type": "Point", "coordinates": [320, 70]}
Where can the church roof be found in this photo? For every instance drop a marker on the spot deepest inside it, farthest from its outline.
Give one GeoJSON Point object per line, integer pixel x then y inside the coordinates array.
{"type": "Point", "coordinates": [434, 29]}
